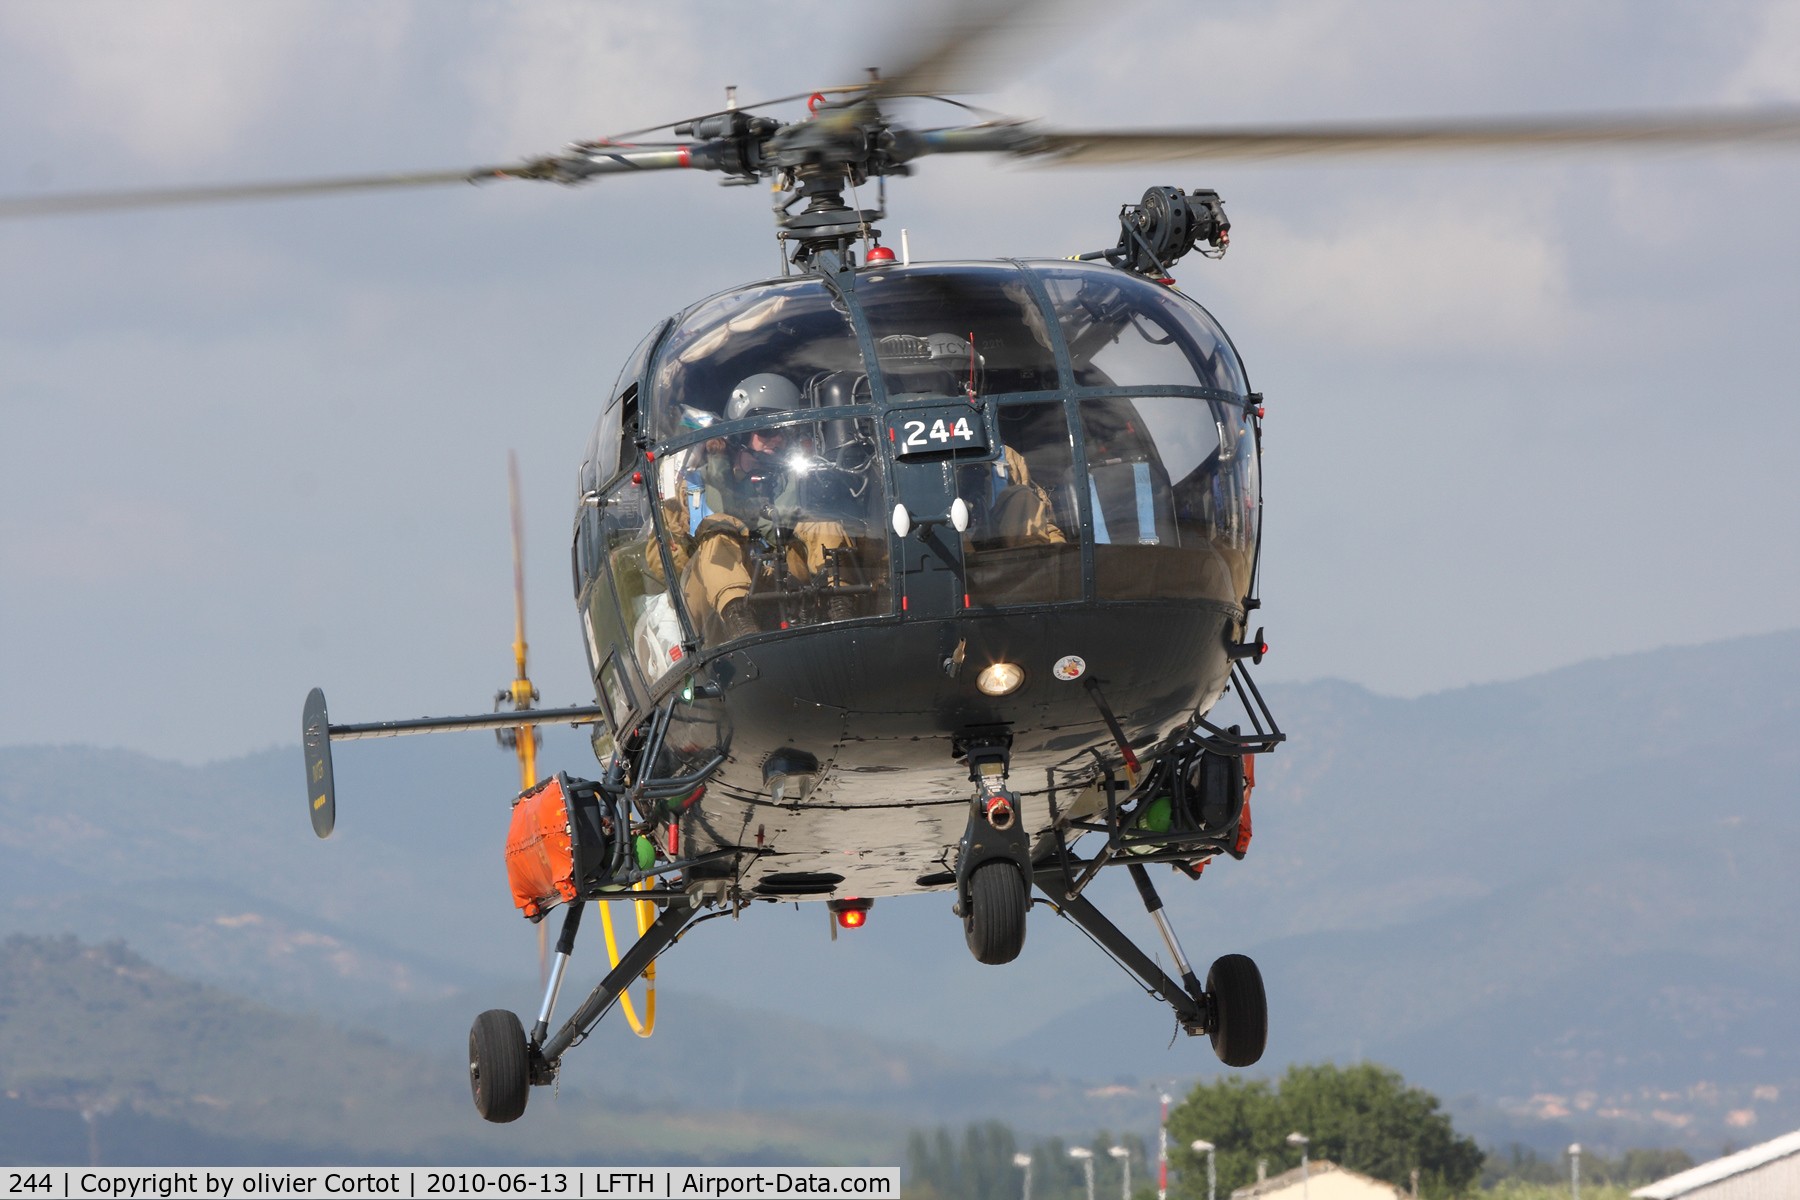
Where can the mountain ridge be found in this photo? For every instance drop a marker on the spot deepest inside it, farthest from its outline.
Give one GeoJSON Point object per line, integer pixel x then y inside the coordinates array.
{"type": "Point", "coordinates": [1417, 861]}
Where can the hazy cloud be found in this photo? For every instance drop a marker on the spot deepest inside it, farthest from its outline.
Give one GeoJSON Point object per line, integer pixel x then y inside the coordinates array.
{"type": "Point", "coordinates": [1445, 275]}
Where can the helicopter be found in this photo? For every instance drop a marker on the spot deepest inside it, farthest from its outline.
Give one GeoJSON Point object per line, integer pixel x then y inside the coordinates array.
{"type": "Point", "coordinates": [796, 486]}
{"type": "Point", "coordinates": [1017, 502]}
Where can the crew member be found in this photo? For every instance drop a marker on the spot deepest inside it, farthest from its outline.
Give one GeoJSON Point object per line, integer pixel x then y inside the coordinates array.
{"type": "Point", "coordinates": [1022, 514]}
{"type": "Point", "coordinates": [752, 487]}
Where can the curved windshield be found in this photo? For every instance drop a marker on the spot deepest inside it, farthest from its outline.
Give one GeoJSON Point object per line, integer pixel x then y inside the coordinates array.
{"type": "Point", "coordinates": [1174, 488]}
{"type": "Point", "coordinates": [1123, 331]}
{"type": "Point", "coordinates": [777, 528]}
{"type": "Point", "coordinates": [795, 331]}
{"type": "Point", "coordinates": [957, 331]}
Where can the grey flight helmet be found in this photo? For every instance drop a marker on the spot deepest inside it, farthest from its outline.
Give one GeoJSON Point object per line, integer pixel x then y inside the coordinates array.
{"type": "Point", "coordinates": [762, 393]}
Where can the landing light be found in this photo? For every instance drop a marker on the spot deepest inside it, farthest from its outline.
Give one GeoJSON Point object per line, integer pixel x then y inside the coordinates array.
{"type": "Point", "coordinates": [1001, 679]}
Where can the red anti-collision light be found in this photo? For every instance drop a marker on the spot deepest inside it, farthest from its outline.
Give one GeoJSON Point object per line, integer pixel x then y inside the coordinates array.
{"type": "Point", "coordinates": [852, 912]}
{"type": "Point", "coordinates": [880, 254]}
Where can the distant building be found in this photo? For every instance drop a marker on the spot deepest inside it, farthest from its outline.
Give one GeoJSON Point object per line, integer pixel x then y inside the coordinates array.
{"type": "Point", "coordinates": [1766, 1172]}
{"type": "Point", "coordinates": [1326, 1181]}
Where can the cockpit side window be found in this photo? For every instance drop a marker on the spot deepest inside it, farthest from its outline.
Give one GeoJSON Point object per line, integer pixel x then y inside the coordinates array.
{"type": "Point", "coordinates": [606, 445]}
{"type": "Point", "coordinates": [957, 330]}
{"type": "Point", "coordinates": [636, 566]}
{"type": "Point", "coordinates": [1123, 331]}
{"type": "Point", "coordinates": [796, 331]}
{"type": "Point", "coordinates": [1173, 484]}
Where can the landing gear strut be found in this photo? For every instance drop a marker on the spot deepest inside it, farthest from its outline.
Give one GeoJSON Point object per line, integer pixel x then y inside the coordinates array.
{"type": "Point", "coordinates": [504, 1065]}
{"type": "Point", "coordinates": [1230, 1009]}
{"type": "Point", "coordinates": [993, 869]}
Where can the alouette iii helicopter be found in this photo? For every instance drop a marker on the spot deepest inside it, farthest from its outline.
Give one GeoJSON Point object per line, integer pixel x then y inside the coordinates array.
{"type": "Point", "coordinates": [901, 577]}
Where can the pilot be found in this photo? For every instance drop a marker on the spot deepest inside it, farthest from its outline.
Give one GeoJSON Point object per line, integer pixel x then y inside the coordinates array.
{"type": "Point", "coordinates": [752, 486]}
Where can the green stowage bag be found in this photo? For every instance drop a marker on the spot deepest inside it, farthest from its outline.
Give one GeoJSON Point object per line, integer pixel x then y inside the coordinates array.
{"type": "Point", "coordinates": [1154, 819]}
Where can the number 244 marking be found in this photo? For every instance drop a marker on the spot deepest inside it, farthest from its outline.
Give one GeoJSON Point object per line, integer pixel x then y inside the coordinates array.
{"type": "Point", "coordinates": [917, 437]}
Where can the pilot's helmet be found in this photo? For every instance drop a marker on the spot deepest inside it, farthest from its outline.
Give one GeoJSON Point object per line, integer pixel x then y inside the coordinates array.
{"type": "Point", "coordinates": [762, 393]}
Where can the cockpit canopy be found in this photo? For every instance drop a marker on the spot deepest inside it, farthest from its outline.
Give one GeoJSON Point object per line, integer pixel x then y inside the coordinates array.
{"type": "Point", "coordinates": [940, 329]}
{"type": "Point", "coordinates": [1111, 458]}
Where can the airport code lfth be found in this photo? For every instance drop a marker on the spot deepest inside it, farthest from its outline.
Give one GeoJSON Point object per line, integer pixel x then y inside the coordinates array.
{"type": "Point", "coordinates": [424, 1183]}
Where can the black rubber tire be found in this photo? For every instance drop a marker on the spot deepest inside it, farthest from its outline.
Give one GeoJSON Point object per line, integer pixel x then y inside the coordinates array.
{"type": "Point", "coordinates": [1241, 1029]}
{"type": "Point", "coordinates": [998, 902]}
{"type": "Point", "coordinates": [499, 1073]}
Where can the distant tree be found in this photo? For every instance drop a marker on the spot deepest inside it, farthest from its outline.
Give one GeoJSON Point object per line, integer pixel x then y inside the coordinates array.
{"type": "Point", "coordinates": [1634, 1168]}
{"type": "Point", "coordinates": [1519, 1162]}
{"type": "Point", "coordinates": [980, 1166]}
{"type": "Point", "coordinates": [1639, 1167]}
{"type": "Point", "coordinates": [1363, 1117]}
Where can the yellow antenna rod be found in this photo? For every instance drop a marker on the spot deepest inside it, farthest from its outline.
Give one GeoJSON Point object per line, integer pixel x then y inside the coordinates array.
{"type": "Point", "coordinates": [522, 691]}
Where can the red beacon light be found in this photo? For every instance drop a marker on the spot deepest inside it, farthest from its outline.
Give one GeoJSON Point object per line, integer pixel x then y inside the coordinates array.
{"type": "Point", "coordinates": [878, 254]}
{"type": "Point", "coordinates": [852, 913]}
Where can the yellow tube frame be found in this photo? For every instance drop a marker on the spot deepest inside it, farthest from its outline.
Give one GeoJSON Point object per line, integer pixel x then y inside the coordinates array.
{"type": "Point", "coordinates": [646, 914]}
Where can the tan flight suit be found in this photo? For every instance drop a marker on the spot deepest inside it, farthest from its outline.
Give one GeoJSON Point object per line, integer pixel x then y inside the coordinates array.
{"type": "Point", "coordinates": [1022, 515]}
{"type": "Point", "coordinates": [718, 571]}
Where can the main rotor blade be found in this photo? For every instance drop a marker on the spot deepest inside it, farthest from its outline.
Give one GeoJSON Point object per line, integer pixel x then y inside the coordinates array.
{"type": "Point", "coordinates": [968, 49]}
{"type": "Point", "coordinates": [1651, 131]}
{"type": "Point", "coordinates": [80, 202]}
{"type": "Point", "coordinates": [575, 164]}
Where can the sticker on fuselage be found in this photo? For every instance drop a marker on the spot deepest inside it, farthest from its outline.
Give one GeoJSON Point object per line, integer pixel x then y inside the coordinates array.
{"type": "Point", "coordinates": [1069, 667]}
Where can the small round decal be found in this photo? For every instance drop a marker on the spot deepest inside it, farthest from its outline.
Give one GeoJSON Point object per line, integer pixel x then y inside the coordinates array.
{"type": "Point", "coordinates": [1069, 666]}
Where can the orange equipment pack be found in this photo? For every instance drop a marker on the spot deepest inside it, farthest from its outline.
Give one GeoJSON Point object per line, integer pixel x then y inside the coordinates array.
{"type": "Point", "coordinates": [1243, 838]}
{"type": "Point", "coordinates": [561, 845]}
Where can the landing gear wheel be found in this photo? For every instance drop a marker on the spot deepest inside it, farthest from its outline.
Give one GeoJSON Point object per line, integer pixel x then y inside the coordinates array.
{"type": "Point", "coordinates": [499, 1073]}
{"type": "Point", "coordinates": [995, 925]}
{"type": "Point", "coordinates": [1241, 1010]}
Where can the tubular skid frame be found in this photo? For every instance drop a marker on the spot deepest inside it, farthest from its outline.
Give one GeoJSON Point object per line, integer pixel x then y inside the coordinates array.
{"type": "Point", "coordinates": [647, 788]}
{"type": "Point", "coordinates": [1261, 741]}
{"type": "Point", "coordinates": [1176, 848]}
